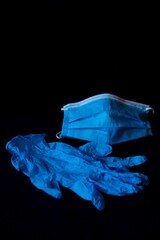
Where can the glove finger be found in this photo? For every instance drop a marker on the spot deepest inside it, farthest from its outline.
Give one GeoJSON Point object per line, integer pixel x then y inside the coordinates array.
{"type": "Point", "coordinates": [130, 177]}
{"type": "Point", "coordinates": [134, 160]}
{"type": "Point", "coordinates": [120, 163]}
{"type": "Point", "coordinates": [97, 199]}
{"type": "Point", "coordinates": [87, 191]}
{"type": "Point", "coordinates": [121, 184]}
{"type": "Point", "coordinates": [96, 150]}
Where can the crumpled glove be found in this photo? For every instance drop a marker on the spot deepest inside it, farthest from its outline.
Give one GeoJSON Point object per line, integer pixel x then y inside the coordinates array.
{"type": "Point", "coordinates": [86, 170]}
{"type": "Point", "coordinates": [100, 152]}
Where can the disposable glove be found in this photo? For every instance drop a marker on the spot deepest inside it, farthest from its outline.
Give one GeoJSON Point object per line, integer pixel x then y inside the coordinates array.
{"type": "Point", "coordinates": [82, 170]}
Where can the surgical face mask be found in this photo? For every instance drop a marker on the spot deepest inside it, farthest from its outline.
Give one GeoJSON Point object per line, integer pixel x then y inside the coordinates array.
{"type": "Point", "coordinates": [106, 118]}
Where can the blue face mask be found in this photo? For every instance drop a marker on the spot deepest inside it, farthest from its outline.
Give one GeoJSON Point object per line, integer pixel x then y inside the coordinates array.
{"type": "Point", "coordinates": [106, 118]}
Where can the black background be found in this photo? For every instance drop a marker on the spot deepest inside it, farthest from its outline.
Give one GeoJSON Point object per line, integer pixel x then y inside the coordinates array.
{"type": "Point", "coordinates": [47, 66]}
{"type": "Point", "coordinates": [56, 4]}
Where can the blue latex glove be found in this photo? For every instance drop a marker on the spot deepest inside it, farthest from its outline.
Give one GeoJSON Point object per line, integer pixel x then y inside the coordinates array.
{"type": "Point", "coordinates": [87, 170]}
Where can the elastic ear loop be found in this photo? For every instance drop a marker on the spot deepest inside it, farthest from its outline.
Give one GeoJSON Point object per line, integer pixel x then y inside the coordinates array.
{"type": "Point", "coordinates": [58, 135]}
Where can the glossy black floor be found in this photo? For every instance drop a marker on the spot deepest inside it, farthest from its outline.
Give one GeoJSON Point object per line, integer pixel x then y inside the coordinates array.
{"type": "Point", "coordinates": [40, 84]}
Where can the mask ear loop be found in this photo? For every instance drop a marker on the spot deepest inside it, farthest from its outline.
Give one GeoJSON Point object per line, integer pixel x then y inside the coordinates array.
{"type": "Point", "coordinates": [58, 135]}
{"type": "Point", "coordinates": [149, 109]}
